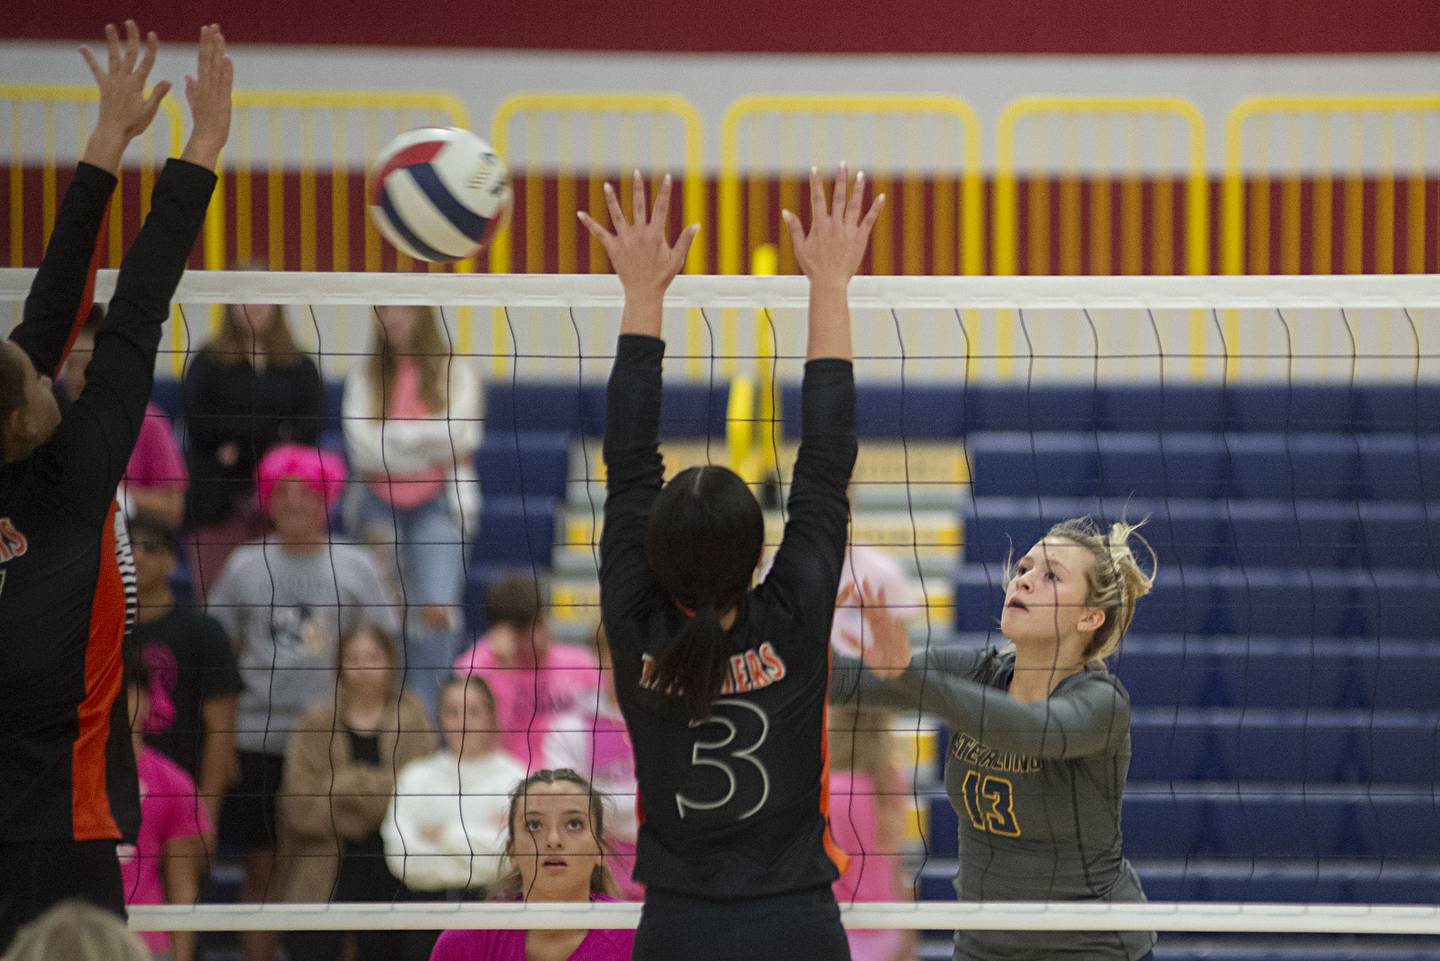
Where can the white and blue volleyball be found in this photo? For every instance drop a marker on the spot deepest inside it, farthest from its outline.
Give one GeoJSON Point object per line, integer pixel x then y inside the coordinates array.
{"type": "Point", "coordinates": [438, 193]}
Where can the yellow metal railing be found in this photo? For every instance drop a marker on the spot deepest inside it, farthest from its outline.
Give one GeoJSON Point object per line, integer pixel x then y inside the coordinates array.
{"type": "Point", "coordinates": [277, 133]}
{"type": "Point", "coordinates": [1098, 166]}
{"type": "Point", "coordinates": [1126, 154]}
{"type": "Point", "coordinates": [1355, 143]}
{"type": "Point", "coordinates": [937, 140]}
{"type": "Point", "coordinates": [163, 139]}
{"type": "Point", "coordinates": [1325, 139]}
{"type": "Point", "coordinates": [581, 139]}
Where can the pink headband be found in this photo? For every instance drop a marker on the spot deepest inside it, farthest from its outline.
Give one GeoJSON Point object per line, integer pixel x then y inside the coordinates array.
{"type": "Point", "coordinates": [320, 470]}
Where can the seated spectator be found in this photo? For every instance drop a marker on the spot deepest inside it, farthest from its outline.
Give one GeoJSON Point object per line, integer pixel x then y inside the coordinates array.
{"type": "Point", "coordinates": [446, 827]}
{"type": "Point", "coordinates": [168, 859]}
{"type": "Point", "coordinates": [868, 798]}
{"type": "Point", "coordinates": [595, 743]}
{"type": "Point", "coordinates": [534, 679]}
{"type": "Point", "coordinates": [156, 478]}
{"type": "Point", "coordinates": [339, 780]}
{"type": "Point", "coordinates": [285, 603]}
{"type": "Point", "coordinates": [194, 679]}
{"type": "Point", "coordinates": [558, 821]}
{"type": "Point", "coordinates": [245, 392]}
{"type": "Point", "coordinates": [412, 418]}
{"type": "Point", "coordinates": [76, 931]}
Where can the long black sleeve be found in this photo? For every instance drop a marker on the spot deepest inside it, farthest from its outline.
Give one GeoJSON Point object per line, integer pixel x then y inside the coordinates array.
{"type": "Point", "coordinates": [807, 565]}
{"type": "Point", "coordinates": [98, 434]}
{"type": "Point", "coordinates": [633, 471]}
{"type": "Point", "coordinates": [58, 293]}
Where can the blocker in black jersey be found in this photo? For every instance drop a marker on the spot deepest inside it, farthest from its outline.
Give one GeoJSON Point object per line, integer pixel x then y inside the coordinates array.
{"type": "Point", "coordinates": [733, 807]}
{"type": "Point", "coordinates": [61, 726]}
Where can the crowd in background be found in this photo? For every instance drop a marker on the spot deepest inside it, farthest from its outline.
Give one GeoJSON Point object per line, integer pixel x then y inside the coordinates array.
{"type": "Point", "coordinates": [306, 699]}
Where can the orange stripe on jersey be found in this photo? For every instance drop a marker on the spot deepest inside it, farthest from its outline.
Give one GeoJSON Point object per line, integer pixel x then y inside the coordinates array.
{"type": "Point", "coordinates": [90, 811]}
{"type": "Point", "coordinates": [87, 298]}
{"type": "Point", "coordinates": [837, 855]}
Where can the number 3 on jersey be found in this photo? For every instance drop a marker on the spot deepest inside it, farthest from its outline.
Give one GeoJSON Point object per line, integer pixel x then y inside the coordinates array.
{"type": "Point", "coordinates": [990, 803]}
{"type": "Point", "coordinates": [743, 728]}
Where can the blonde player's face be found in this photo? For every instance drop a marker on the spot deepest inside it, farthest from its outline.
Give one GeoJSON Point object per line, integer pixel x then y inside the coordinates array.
{"type": "Point", "coordinates": [1045, 599]}
{"type": "Point", "coordinates": [554, 847]}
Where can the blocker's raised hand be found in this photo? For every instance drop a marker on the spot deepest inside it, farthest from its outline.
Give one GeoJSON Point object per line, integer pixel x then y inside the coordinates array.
{"type": "Point", "coordinates": [833, 247]}
{"type": "Point", "coordinates": [209, 94]}
{"type": "Point", "coordinates": [125, 111]}
{"type": "Point", "coordinates": [643, 259]}
{"type": "Point", "coordinates": [885, 649]}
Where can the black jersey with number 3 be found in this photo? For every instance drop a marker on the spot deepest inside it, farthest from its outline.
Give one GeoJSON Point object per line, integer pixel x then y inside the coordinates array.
{"type": "Point", "coordinates": [734, 806]}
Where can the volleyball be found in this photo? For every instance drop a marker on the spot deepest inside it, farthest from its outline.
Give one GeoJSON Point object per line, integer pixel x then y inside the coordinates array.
{"type": "Point", "coordinates": [438, 193]}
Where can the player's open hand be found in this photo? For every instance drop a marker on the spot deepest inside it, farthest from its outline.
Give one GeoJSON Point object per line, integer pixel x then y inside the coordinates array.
{"type": "Point", "coordinates": [208, 92]}
{"type": "Point", "coordinates": [643, 259]}
{"type": "Point", "coordinates": [831, 251]}
{"type": "Point", "coordinates": [885, 643]}
{"type": "Point", "coordinates": [125, 110]}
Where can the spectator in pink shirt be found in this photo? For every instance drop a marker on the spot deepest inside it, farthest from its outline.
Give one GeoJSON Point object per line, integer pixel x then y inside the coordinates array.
{"type": "Point", "coordinates": [594, 742]}
{"type": "Point", "coordinates": [156, 478]}
{"type": "Point", "coordinates": [168, 858]}
{"type": "Point", "coordinates": [868, 797]}
{"type": "Point", "coordinates": [534, 679]}
{"type": "Point", "coordinates": [557, 834]}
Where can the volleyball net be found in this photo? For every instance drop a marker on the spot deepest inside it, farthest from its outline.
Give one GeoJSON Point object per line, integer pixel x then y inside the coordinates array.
{"type": "Point", "coordinates": [1281, 434]}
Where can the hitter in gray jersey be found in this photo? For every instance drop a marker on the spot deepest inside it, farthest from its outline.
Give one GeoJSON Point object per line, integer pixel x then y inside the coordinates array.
{"type": "Point", "coordinates": [1041, 740]}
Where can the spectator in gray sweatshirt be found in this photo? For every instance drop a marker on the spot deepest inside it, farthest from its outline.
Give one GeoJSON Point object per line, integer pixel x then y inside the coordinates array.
{"type": "Point", "coordinates": [1040, 743]}
{"type": "Point", "coordinates": [285, 602]}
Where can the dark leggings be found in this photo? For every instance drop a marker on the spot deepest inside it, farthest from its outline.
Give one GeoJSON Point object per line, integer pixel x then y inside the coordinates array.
{"type": "Point", "coordinates": [804, 926]}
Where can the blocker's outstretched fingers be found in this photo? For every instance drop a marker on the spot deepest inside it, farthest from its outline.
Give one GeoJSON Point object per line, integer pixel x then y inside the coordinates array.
{"type": "Point", "coordinates": [817, 195]}
{"type": "Point", "coordinates": [841, 192]}
{"type": "Point", "coordinates": [661, 213]}
{"type": "Point", "coordinates": [857, 199]}
{"type": "Point", "coordinates": [637, 199]}
{"type": "Point", "coordinates": [612, 203]}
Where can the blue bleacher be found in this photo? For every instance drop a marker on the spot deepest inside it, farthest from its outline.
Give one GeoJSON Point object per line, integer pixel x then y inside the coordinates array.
{"type": "Point", "coordinates": [1241, 880]}
{"type": "Point", "coordinates": [689, 410]}
{"type": "Point", "coordinates": [533, 463]}
{"type": "Point", "coordinates": [1310, 745]}
{"type": "Point", "coordinates": [1270, 533]}
{"type": "Point", "coordinates": [953, 411]}
{"type": "Point", "coordinates": [1293, 673]}
{"type": "Point", "coordinates": [515, 530]}
{"type": "Point", "coordinates": [1194, 465]}
{"type": "Point", "coordinates": [1216, 819]}
{"type": "Point", "coordinates": [1224, 600]}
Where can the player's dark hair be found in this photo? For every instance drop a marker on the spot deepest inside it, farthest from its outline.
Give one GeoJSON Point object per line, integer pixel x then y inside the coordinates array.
{"type": "Point", "coordinates": [12, 394]}
{"type": "Point", "coordinates": [517, 599]}
{"type": "Point", "coordinates": [703, 540]}
{"type": "Point", "coordinates": [511, 885]}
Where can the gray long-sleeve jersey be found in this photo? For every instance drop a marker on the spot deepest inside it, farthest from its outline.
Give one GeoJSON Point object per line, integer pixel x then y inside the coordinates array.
{"type": "Point", "coordinates": [1037, 787]}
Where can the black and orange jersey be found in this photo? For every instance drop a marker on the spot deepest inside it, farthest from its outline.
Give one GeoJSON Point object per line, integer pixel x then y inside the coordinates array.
{"type": "Point", "coordinates": [735, 806]}
{"type": "Point", "coordinates": [65, 757]}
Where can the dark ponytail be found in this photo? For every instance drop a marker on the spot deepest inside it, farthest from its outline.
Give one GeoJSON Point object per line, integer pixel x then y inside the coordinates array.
{"type": "Point", "coordinates": [703, 541]}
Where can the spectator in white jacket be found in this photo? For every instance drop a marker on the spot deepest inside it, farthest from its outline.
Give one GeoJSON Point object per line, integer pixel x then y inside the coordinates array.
{"type": "Point", "coordinates": [413, 420]}
{"type": "Point", "coordinates": [445, 834]}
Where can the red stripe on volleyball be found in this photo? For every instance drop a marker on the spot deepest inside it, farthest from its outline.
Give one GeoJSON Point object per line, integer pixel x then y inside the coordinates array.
{"type": "Point", "coordinates": [420, 153]}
